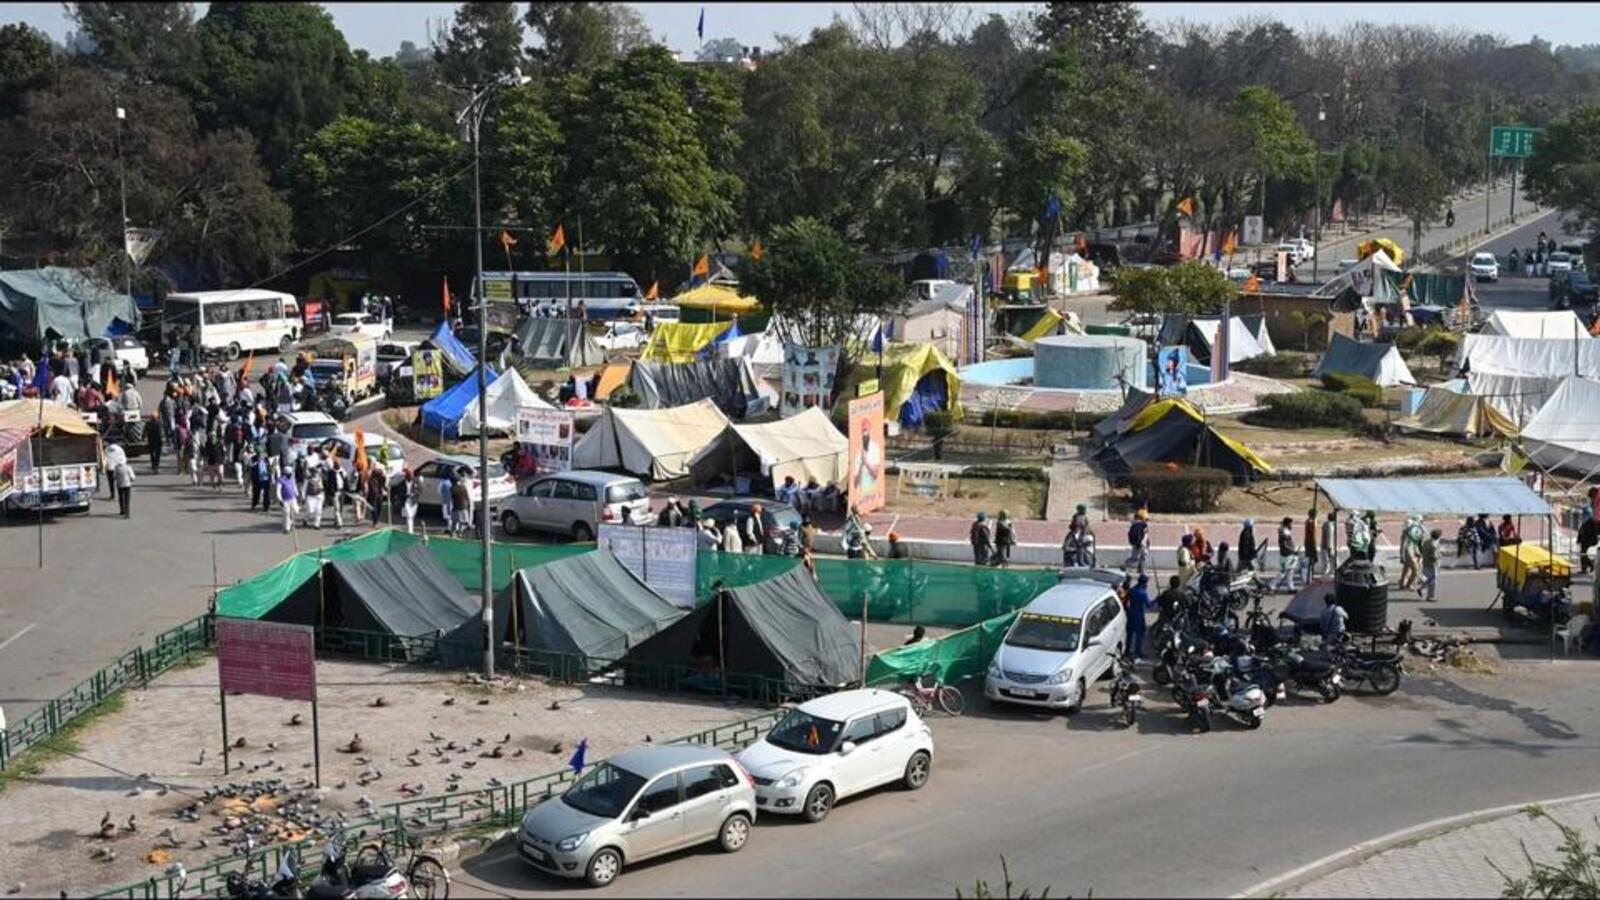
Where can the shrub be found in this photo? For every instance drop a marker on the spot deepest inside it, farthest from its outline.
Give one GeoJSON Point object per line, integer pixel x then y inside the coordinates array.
{"type": "Point", "coordinates": [1006, 473]}
{"type": "Point", "coordinates": [938, 423]}
{"type": "Point", "coordinates": [1286, 364]}
{"type": "Point", "coordinates": [1362, 388]}
{"type": "Point", "coordinates": [1442, 344]}
{"type": "Point", "coordinates": [1308, 409]}
{"type": "Point", "coordinates": [1173, 488]}
{"type": "Point", "coordinates": [1038, 421]}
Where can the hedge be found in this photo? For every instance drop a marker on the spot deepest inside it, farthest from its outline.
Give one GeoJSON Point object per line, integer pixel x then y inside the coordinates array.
{"type": "Point", "coordinates": [1171, 488]}
{"type": "Point", "coordinates": [1362, 388]}
{"type": "Point", "coordinates": [1308, 409]}
{"type": "Point", "coordinates": [1285, 364]}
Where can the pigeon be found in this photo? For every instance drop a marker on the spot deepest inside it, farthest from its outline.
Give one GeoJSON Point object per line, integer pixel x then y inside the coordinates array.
{"type": "Point", "coordinates": [363, 761]}
{"type": "Point", "coordinates": [239, 743]}
{"type": "Point", "coordinates": [452, 746]}
{"type": "Point", "coordinates": [647, 739]}
{"type": "Point", "coordinates": [555, 705]}
{"type": "Point", "coordinates": [133, 824]}
{"type": "Point", "coordinates": [413, 761]}
{"type": "Point", "coordinates": [201, 844]}
{"type": "Point", "coordinates": [104, 854]}
{"type": "Point", "coordinates": [496, 753]}
{"type": "Point", "coordinates": [451, 789]}
{"type": "Point", "coordinates": [105, 819]}
{"type": "Point", "coordinates": [484, 702]}
{"type": "Point", "coordinates": [436, 738]}
{"type": "Point", "coordinates": [202, 760]}
{"type": "Point", "coordinates": [379, 701]}
{"type": "Point", "coordinates": [478, 742]}
{"type": "Point", "coordinates": [469, 763]}
{"type": "Point", "coordinates": [340, 785]}
{"type": "Point", "coordinates": [555, 749]}
{"type": "Point", "coordinates": [506, 739]}
{"type": "Point", "coordinates": [272, 745]}
{"type": "Point", "coordinates": [518, 753]}
{"type": "Point", "coordinates": [495, 782]}
{"type": "Point", "coordinates": [296, 719]}
{"type": "Point", "coordinates": [449, 701]}
{"type": "Point", "coordinates": [355, 745]}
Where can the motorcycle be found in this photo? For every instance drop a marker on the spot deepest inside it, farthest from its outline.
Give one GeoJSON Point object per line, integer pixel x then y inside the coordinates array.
{"type": "Point", "coordinates": [1127, 691]}
{"type": "Point", "coordinates": [1307, 671]}
{"type": "Point", "coordinates": [1239, 699]}
{"type": "Point", "coordinates": [1379, 671]}
{"type": "Point", "coordinates": [286, 883]}
{"type": "Point", "coordinates": [374, 874]}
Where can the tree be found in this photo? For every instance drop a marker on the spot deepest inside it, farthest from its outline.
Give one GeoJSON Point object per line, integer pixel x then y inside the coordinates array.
{"type": "Point", "coordinates": [1274, 146]}
{"type": "Point", "coordinates": [523, 157]}
{"type": "Point", "coordinates": [576, 37]}
{"type": "Point", "coordinates": [1420, 192]}
{"type": "Point", "coordinates": [1564, 170]}
{"type": "Point", "coordinates": [27, 61]}
{"type": "Point", "coordinates": [1190, 288]}
{"type": "Point", "coordinates": [151, 42]}
{"type": "Point", "coordinates": [725, 49]}
{"type": "Point", "coordinates": [482, 44]}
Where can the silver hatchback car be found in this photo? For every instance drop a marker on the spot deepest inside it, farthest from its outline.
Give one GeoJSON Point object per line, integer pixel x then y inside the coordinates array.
{"type": "Point", "coordinates": [639, 804]}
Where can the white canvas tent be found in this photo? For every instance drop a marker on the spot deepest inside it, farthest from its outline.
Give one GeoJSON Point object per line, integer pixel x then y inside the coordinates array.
{"type": "Point", "coordinates": [1257, 325]}
{"type": "Point", "coordinates": [1517, 397]}
{"type": "Point", "coordinates": [1543, 357]}
{"type": "Point", "coordinates": [1449, 409]}
{"type": "Point", "coordinates": [1564, 324]}
{"type": "Point", "coordinates": [1380, 362]}
{"type": "Point", "coordinates": [1565, 432]}
{"type": "Point", "coordinates": [1362, 277]}
{"type": "Point", "coordinates": [1242, 344]}
{"type": "Point", "coordinates": [651, 443]}
{"type": "Point", "coordinates": [804, 446]}
{"type": "Point", "coordinates": [505, 394]}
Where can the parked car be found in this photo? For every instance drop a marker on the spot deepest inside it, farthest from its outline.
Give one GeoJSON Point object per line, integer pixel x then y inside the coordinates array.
{"type": "Point", "coordinates": [1573, 288]}
{"type": "Point", "coordinates": [781, 519]}
{"type": "Point", "coordinates": [1576, 250]}
{"type": "Point", "coordinates": [343, 448]}
{"type": "Point", "coordinates": [1059, 644]}
{"type": "Point", "coordinates": [656, 312]}
{"type": "Point", "coordinates": [636, 805]}
{"type": "Point", "coordinates": [575, 502]}
{"type": "Point", "coordinates": [835, 746]}
{"type": "Point", "coordinates": [1484, 267]}
{"type": "Point", "coordinates": [360, 323]}
{"type": "Point", "coordinates": [468, 335]}
{"type": "Point", "coordinates": [391, 355]}
{"type": "Point", "coordinates": [120, 349]}
{"type": "Point", "coordinates": [431, 474]}
{"type": "Point", "coordinates": [622, 336]}
{"type": "Point", "coordinates": [1299, 249]}
{"type": "Point", "coordinates": [307, 429]}
{"type": "Point", "coordinates": [1559, 261]}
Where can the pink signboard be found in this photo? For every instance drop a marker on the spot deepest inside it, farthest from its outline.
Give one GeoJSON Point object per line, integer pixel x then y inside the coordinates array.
{"type": "Point", "coordinates": [267, 658]}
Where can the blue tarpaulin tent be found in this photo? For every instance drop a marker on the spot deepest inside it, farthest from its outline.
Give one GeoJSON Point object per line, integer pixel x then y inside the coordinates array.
{"type": "Point", "coordinates": [456, 355]}
{"type": "Point", "coordinates": [443, 413]}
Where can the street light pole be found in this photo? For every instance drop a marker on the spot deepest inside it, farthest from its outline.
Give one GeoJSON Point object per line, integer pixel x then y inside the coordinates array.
{"type": "Point", "coordinates": [122, 177]}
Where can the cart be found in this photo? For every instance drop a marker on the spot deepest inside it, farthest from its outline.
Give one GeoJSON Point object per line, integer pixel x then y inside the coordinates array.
{"type": "Point", "coordinates": [1535, 581]}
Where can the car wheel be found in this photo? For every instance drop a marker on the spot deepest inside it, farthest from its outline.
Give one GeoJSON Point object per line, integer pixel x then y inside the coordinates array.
{"type": "Point", "coordinates": [582, 533]}
{"type": "Point", "coordinates": [234, 350]}
{"type": "Point", "coordinates": [285, 343]}
{"type": "Point", "coordinates": [819, 802]}
{"type": "Point", "coordinates": [1083, 694]}
{"type": "Point", "coordinates": [604, 867]}
{"type": "Point", "coordinates": [918, 768]}
{"type": "Point", "coordinates": [510, 523]}
{"type": "Point", "coordinates": [735, 831]}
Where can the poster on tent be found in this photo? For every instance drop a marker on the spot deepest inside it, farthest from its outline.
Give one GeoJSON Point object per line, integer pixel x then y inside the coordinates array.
{"type": "Point", "coordinates": [8, 473]}
{"type": "Point", "coordinates": [808, 378]}
{"type": "Point", "coordinates": [544, 439]}
{"type": "Point", "coordinates": [868, 490]}
{"type": "Point", "coordinates": [661, 557]}
{"type": "Point", "coordinates": [1172, 372]}
{"type": "Point", "coordinates": [427, 374]}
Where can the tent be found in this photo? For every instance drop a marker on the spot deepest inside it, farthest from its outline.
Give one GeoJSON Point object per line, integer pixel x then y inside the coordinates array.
{"type": "Point", "coordinates": [717, 299]}
{"type": "Point", "coordinates": [917, 379]}
{"type": "Point", "coordinates": [938, 321]}
{"type": "Point", "coordinates": [1435, 289]}
{"type": "Point", "coordinates": [1380, 362]}
{"type": "Point", "coordinates": [1447, 411]}
{"type": "Point", "coordinates": [1113, 425]}
{"type": "Point", "coordinates": [1201, 336]}
{"type": "Point", "coordinates": [782, 628]}
{"type": "Point", "coordinates": [1256, 324]}
{"type": "Point", "coordinates": [1047, 325]}
{"type": "Point", "coordinates": [554, 344]}
{"type": "Point", "coordinates": [66, 303]}
{"type": "Point", "coordinates": [506, 395]}
{"type": "Point", "coordinates": [443, 413]}
{"type": "Point", "coordinates": [1563, 433]}
{"type": "Point", "coordinates": [407, 593]}
{"type": "Point", "coordinates": [1563, 325]}
{"type": "Point", "coordinates": [1517, 397]}
{"type": "Point", "coordinates": [589, 605]}
{"type": "Point", "coordinates": [457, 357]}
{"type": "Point", "coordinates": [681, 342]}
{"type": "Point", "coordinates": [1543, 357]}
{"type": "Point", "coordinates": [764, 348]}
{"type": "Point", "coordinates": [651, 443]}
{"type": "Point", "coordinates": [804, 446]}
{"type": "Point", "coordinates": [728, 382]}
{"type": "Point", "coordinates": [1175, 431]}
{"type": "Point", "coordinates": [613, 376]}
{"type": "Point", "coordinates": [1362, 278]}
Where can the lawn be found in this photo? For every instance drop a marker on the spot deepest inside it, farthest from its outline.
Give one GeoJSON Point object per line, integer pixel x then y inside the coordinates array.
{"type": "Point", "coordinates": [965, 497]}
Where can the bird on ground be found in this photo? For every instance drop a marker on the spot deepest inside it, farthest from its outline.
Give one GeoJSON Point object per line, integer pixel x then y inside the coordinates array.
{"type": "Point", "coordinates": [518, 752]}
{"type": "Point", "coordinates": [133, 824]}
{"type": "Point", "coordinates": [380, 701]}
{"type": "Point", "coordinates": [484, 702]}
{"type": "Point", "coordinates": [506, 739]}
{"type": "Point", "coordinates": [240, 742]}
{"type": "Point", "coordinates": [296, 719]}
{"type": "Point", "coordinates": [555, 705]}
{"type": "Point", "coordinates": [355, 745]}
{"type": "Point", "coordinates": [202, 760]}
{"type": "Point", "coordinates": [449, 701]}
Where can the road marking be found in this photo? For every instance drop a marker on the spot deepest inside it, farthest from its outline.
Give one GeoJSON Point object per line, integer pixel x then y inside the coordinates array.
{"type": "Point", "coordinates": [17, 635]}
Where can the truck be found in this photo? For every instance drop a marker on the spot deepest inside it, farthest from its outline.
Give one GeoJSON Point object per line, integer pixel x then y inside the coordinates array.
{"type": "Point", "coordinates": [53, 468]}
{"type": "Point", "coordinates": [345, 371]}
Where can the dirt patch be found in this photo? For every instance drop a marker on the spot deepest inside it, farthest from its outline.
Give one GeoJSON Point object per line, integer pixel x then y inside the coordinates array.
{"type": "Point", "coordinates": [403, 420]}
{"type": "Point", "coordinates": [965, 497]}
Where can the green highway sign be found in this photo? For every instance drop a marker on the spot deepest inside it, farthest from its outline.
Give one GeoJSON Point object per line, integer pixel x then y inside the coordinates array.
{"type": "Point", "coordinates": [1507, 140]}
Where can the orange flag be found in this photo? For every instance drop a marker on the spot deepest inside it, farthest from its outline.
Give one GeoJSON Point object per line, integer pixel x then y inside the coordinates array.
{"type": "Point", "coordinates": [506, 240]}
{"type": "Point", "coordinates": [361, 451]}
{"type": "Point", "coordinates": [702, 267]}
{"type": "Point", "coordinates": [444, 282]}
{"type": "Point", "coordinates": [1252, 285]}
{"type": "Point", "coordinates": [1186, 206]}
{"type": "Point", "coordinates": [557, 241]}
{"type": "Point", "coordinates": [757, 251]}
{"type": "Point", "coordinates": [1229, 243]}
{"type": "Point", "coordinates": [244, 371]}
{"type": "Point", "coordinates": [655, 291]}
{"type": "Point", "coordinates": [112, 388]}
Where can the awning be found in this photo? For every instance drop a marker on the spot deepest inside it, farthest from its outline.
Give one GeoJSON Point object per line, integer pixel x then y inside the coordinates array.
{"type": "Point", "coordinates": [1435, 496]}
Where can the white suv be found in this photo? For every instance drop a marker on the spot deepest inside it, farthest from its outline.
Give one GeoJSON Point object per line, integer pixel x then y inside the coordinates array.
{"type": "Point", "coordinates": [1299, 250]}
{"type": "Point", "coordinates": [1484, 267]}
{"type": "Point", "coordinates": [1061, 642]}
{"type": "Point", "coordinates": [835, 746]}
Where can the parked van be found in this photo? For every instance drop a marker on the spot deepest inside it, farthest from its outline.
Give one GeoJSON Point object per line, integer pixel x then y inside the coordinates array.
{"type": "Point", "coordinates": [1060, 643]}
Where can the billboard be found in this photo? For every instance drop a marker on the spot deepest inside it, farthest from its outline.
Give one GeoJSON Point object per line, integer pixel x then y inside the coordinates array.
{"type": "Point", "coordinates": [270, 659]}
{"type": "Point", "coordinates": [867, 451]}
{"type": "Point", "coordinates": [808, 378]}
{"type": "Point", "coordinates": [662, 557]}
{"type": "Point", "coordinates": [427, 374]}
{"type": "Point", "coordinates": [546, 435]}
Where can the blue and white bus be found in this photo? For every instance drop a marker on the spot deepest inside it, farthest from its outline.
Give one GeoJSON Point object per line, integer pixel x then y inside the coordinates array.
{"type": "Point", "coordinates": [605, 295]}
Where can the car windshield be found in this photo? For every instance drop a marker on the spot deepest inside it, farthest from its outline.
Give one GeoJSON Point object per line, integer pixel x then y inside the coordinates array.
{"type": "Point", "coordinates": [605, 792]}
{"type": "Point", "coordinates": [1558, 256]}
{"type": "Point", "coordinates": [1040, 632]}
{"type": "Point", "coordinates": [316, 431]}
{"type": "Point", "coordinates": [1483, 259]}
{"type": "Point", "coordinates": [128, 343]}
{"type": "Point", "coordinates": [625, 492]}
{"type": "Point", "coordinates": [804, 733]}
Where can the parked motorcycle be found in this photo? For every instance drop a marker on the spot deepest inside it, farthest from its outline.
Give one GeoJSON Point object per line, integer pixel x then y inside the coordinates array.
{"type": "Point", "coordinates": [1241, 700]}
{"type": "Point", "coordinates": [1193, 696]}
{"type": "Point", "coordinates": [286, 883]}
{"type": "Point", "coordinates": [1380, 671]}
{"type": "Point", "coordinates": [1127, 691]}
{"type": "Point", "coordinates": [1315, 671]}
{"type": "Point", "coordinates": [374, 874]}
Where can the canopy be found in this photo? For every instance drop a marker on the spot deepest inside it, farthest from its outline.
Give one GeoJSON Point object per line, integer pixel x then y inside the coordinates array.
{"type": "Point", "coordinates": [506, 395]}
{"type": "Point", "coordinates": [443, 413]}
{"type": "Point", "coordinates": [1435, 496]}
{"type": "Point", "coordinates": [1362, 279]}
{"type": "Point", "coordinates": [1175, 431]}
{"type": "Point", "coordinates": [1517, 397]}
{"type": "Point", "coordinates": [1374, 246]}
{"type": "Point", "coordinates": [1564, 433]}
{"type": "Point", "coordinates": [917, 379]}
{"type": "Point", "coordinates": [651, 443]}
{"type": "Point", "coordinates": [680, 342]}
{"type": "Point", "coordinates": [782, 628]}
{"type": "Point", "coordinates": [456, 355]}
{"type": "Point", "coordinates": [68, 303]}
{"type": "Point", "coordinates": [27, 415]}
{"type": "Point", "coordinates": [1446, 411]}
{"type": "Point", "coordinates": [408, 593]}
{"type": "Point", "coordinates": [720, 299]}
{"type": "Point", "coordinates": [589, 605]}
{"type": "Point", "coordinates": [554, 344]}
{"type": "Point", "coordinates": [804, 446]}
{"type": "Point", "coordinates": [1201, 337]}
{"type": "Point", "coordinates": [728, 382]}
{"type": "Point", "coordinates": [1380, 362]}
{"type": "Point", "coordinates": [1562, 325]}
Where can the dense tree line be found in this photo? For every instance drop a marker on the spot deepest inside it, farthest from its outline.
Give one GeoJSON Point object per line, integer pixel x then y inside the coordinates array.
{"type": "Point", "coordinates": [255, 135]}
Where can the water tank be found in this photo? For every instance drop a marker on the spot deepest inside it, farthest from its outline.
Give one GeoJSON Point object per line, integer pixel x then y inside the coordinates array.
{"type": "Point", "coordinates": [1090, 362]}
{"type": "Point", "coordinates": [1363, 591]}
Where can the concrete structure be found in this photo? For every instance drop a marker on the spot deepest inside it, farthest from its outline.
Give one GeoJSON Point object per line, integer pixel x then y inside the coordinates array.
{"type": "Point", "coordinates": [1090, 362]}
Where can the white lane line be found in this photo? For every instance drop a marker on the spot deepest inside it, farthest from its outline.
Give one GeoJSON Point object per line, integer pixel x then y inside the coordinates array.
{"type": "Point", "coordinates": [17, 635]}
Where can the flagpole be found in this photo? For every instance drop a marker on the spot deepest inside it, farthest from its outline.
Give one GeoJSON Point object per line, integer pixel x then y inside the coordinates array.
{"type": "Point", "coordinates": [567, 262]}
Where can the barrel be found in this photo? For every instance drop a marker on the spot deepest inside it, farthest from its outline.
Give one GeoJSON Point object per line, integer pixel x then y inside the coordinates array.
{"type": "Point", "coordinates": [1363, 590]}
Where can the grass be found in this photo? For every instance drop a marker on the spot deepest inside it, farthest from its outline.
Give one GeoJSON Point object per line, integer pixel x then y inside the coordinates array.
{"type": "Point", "coordinates": [32, 762]}
{"type": "Point", "coordinates": [964, 497]}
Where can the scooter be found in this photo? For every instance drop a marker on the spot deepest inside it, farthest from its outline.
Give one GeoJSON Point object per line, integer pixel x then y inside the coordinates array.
{"type": "Point", "coordinates": [1127, 691]}
{"type": "Point", "coordinates": [373, 874]}
{"type": "Point", "coordinates": [1242, 701]}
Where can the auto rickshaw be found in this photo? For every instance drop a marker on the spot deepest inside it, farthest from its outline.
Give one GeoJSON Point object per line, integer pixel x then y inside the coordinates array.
{"type": "Point", "coordinates": [1534, 580]}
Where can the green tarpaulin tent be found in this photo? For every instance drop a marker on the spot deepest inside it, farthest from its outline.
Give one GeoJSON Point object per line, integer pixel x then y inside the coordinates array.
{"type": "Point", "coordinates": [66, 303]}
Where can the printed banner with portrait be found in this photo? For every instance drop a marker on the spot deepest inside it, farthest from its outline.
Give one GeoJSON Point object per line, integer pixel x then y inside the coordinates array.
{"type": "Point", "coordinates": [544, 440]}
{"type": "Point", "coordinates": [868, 488]}
{"type": "Point", "coordinates": [427, 374]}
{"type": "Point", "coordinates": [1172, 372]}
{"type": "Point", "coordinates": [808, 378]}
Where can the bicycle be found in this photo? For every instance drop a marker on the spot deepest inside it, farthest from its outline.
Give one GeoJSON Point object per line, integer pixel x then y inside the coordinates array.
{"type": "Point", "coordinates": [925, 697]}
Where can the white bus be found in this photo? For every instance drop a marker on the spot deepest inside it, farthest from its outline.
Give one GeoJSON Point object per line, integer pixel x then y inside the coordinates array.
{"type": "Point", "coordinates": [605, 295]}
{"type": "Point", "coordinates": [232, 322]}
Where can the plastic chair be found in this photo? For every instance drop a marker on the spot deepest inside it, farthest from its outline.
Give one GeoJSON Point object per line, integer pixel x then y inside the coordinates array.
{"type": "Point", "coordinates": [1572, 631]}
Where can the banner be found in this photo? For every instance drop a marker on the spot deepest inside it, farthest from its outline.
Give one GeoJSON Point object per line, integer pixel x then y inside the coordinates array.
{"type": "Point", "coordinates": [138, 242]}
{"type": "Point", "coordinates": [923, 481]}
{"type": "Point", "coordinates": [808, 378]}
{"type": "Point", "coordinates": [546, 435]}
{"type": "Point", "coordinates": [427, 374]}
{"type": "Point", "coordinates": [1172, 372]}
{"type": "Point", "coordinates": [867, 486]}
{"type": "Point", "coordinates": [8, 472]}
{"type": "Point", "coordinates": [661, 557]}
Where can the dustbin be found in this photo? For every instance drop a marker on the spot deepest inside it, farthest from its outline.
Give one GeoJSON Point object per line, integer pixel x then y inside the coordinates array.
{"type": "Point", "coordinates": [1363, 590]}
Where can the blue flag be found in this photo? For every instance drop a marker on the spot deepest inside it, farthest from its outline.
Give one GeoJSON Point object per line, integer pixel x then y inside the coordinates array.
{"type": "Point", "coordinates": [877, 339]}
{"type": "Point", "coordinates": [41, 376]}
{"type": "Point", "coordinates": [576, 762]}
{"type": "Point", "coordinates": [1053, 208]}
{"type": "Point", "coordinates": [977, 245]}
{"type": "Point", "coordinates": [700, 29]}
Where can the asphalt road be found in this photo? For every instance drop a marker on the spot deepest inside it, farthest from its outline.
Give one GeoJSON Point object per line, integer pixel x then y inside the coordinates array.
{"type": "Point", "coordinates": [1516, 291]}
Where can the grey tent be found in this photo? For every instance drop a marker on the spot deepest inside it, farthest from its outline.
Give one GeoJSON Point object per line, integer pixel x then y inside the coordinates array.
{"type": "Point", "coordinates": [1107, 429]}
{"type": "Point", "coordinates": [727, 382]}
{"type": "Point", "coordinates": [66, 303]}
{"type": "Point", "coordinates": [1380, 362]}
{"type": "Point", "coordinates": [554, 344]}
{"type": "Point", "coordinates": [588, 605]}
{"type": "Point", "coordinates": [782, 629]}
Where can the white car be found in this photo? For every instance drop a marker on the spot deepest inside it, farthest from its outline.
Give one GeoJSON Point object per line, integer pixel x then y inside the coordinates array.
{"type": "Point", "coordinates": [360, 323]}
{"type": "Point", "coordinates": [576, 502]}
{"type": "Point", "coordinates": [120, 349]}
{"type": "Point", "coordinates": [1484, 267]}
{"type": "Point", "coordinates": [835, 746]}
{"type": "Point", "coordinates": [1299, 250]}
{"type": "Point", "coordinates": [622, 336]}
{"type": "Point", "coordinates": [307, 429]}
{"type": "Point", "coordinates": [1559, 261]}
{"type": "Point", "coordinates": [1061, 642]}
{"type": "Point", "coordinates": [393, 354]}
{"type": "Point", "coordinates": [343, 448]}
{"type": "Point", "coordinates": [430, 475]}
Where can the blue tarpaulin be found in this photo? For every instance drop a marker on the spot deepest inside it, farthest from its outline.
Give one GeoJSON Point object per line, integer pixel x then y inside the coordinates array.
{"type": "Point", "coordinates": [443, 413]}
{"type": "Point", "coordinates": [456, 355]}
{"type": "Point", "coordinates": [931, 394]}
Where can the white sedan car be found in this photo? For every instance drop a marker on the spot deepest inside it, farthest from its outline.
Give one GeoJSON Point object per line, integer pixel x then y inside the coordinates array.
{"type": "Point", "coordinates": [1484, 267]}
{"type": "Point", "coordinates": [430, 476]}
{"type": "Point", "coordinates": [360, 323]}
{"type": "Point", "coordinates": [622, 336]}
{"type": "Point", "coordinates": [1299, 250]}
{"type": "Point", "coordinates": [835, 746]}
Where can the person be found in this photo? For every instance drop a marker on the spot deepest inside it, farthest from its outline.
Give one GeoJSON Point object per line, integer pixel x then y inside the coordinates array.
{"type": "Point", "coordinates": [897, 549]}
{"type": "Point", "coordinates": [333, 490]}
{"type": "Point", "coordinates": [288, 499]}
{"type": "Point", "coordinates": [1450, 218]}
{"type": "Point", "coordinates": [193, 450]}
{"type": "Point", "coordinates": [315, 494]}
{"type": "Point", "coordinates": [1170, 600]}
{"type": "Point", "coordinates": [671, 515]}
{"type": "Point", "coordinates": [154, 436]}
{"type": "Point", "coordinates": [461, 502]}
{"type": "Point", "coordinates": [1222, 563]}
{"type": "Point", "coordinates": [706, 535]}
{"type": "Point", "coordinates": [789, 492]}
{"type": "Point", "coordinates": [1080, 518]}
{"type": "Point", "coordinates": [918, 635]}
{"type": "Point", "coordinates": [1288, 556]}
{"type": "Point", "coordinates": [731, 542]}
{"type": "Point", "coordinates": [1507, 535]}
{"type": "Point", "coordinates": [123, 476]}
{"type": "Point", "coordinates": [1138, 604]}
{"type": "Point", "coordinates": [260, 482]}
{"type": "Point", "coordinates": [753, 531]}
{"type": "Point", "coordinates": [214, 455]}
{"type": "Point", "coordinates": [1200, 551]}
{"type": "Point", "coordinates": [1185, 560]}
{"type": "Point", "coordinates": [1247, 546]}
{"type": "Point", "coordinates": [1357, 537]}
{"type": "Point", "coordinates": [408, 491]}
{"type": "Point", "coordinates": [982, 542]}
{"type": "Point", "coordinates": [1408, 556]}
{"type": "Point", "coordinates": [808, 535]}
{"type": "Point", "coordinates": [1005, 537]}
{"type": "Point", "coordinates": [1588, 538]}
{"type": "Point", "coordinates": [115, 455]}
{"type": "Point", "coordinates": [808, 561]}
{"type": "Point", "coordinates": [1485, 535]}
{"type": "Point", "coordinates": [1138, 542]}
{"type": "Point", "coordinates": [1308, 553]}
{"type": "Point", "coordinates": [1333, 619]}
{"type": "Point", "coordinates": [1527, 262]}
{"type": "Point", "coordinates": [1428, 555]}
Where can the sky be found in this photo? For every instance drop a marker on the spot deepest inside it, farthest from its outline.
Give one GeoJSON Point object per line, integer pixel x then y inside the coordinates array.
{"type": "Point", "coordinates": [380, 27]}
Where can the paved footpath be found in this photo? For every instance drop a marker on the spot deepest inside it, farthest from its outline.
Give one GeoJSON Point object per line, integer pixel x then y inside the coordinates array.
{"type": "Point", "coordinates": [1457, 862]}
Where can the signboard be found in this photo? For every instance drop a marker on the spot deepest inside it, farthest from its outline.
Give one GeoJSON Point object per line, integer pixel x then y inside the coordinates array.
{"type": "Point", "coordinates": [1255, 230]}
{"type": "Point", "coordinates": [808, 378]}
{"type": "Point", "coordinates": [1509, 140]}
{"type": "Point", "coordinates": [498, 289]}
{"type": "Point", "coordinates": [269, 659]}
{"type": "Point", "coordinates": [427, 374]}
{"type": "Point", "coordinates": [868, 488]}
{"type": "Point", "coordinates": [1172, 372]}
{"type": "Point", "coordinates": [546, 434]}
{"type": "Point", "coordinates": [8, 472]}
{"type": "Point", "coordinates": [662, 557]}
{"type": "Point", "coordinates": [923, 481]}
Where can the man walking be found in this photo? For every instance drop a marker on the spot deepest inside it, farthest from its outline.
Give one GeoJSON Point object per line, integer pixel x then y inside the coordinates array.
{"type": "Point", "coordinates": [1138, 605]}
{"type": "Point", "coordinates": [1330, 535]}
{"type": "Point", "coordinates": [123, 477]}
{"type": "Point", "coordinates": [982, 542]}
{"type": "Point", "coordinates": [1247, 547]}
{"type": "Point", "coordinates": [461, 500]}
{"type": "Point", "coordinates": [1428, 554]}
{"type": "Point", "coordinates": [288, 499]}
{"type": "Point", "coordinates": [1138, 542]}
{"type": "Point", "coordinates": [1288, 559]}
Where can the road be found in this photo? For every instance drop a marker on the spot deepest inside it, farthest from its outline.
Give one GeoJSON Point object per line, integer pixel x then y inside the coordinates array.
{"type": "Point", "coordinates": [1078, 805]}
{"type": "Point", "coordinates": [1515, 291]}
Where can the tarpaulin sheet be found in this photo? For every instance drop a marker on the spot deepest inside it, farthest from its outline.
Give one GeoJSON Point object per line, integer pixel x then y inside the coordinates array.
{"type": "Point", "coordinates": [1565, 432]}
{"type": "Point", "coordinates": [1381, 363]}
{"type": "Point", "coordinates": [505, 396]}
{"type": "Point", "coordinates": [442, 414]}
{"type": "Point", "coordinates": [588, 604]}
{"type": "Point", "coordinates": [554, 344]}
{"type": "Point", "coordinates": [1047, 325]}
{"type": "Point", "coordinates": [720, 299]}
{"type": "Point", "coordinates": [681, 342]}
{"type": "Point", "coordinates": [903, 366]}
{"type": "Point", "coordinates": [406, 593]}
{"type": "Point", "coordinates": [1435, 496]}
{"type": "Point", "coordinates": [260, 593]}
{"type": "Point", "coordinates": [456, 355]}
{"type": "Point", "coordinates": [1444, 411]}
{"type": "Point", "coordinates": [1544, 357]}
{"type": "Point", "coordinates": [68, 302]}
{"type": "Point", "coordinates": [804, 447]}
{"type": "Point", "coordinates": [651, 443]}
{"type": "Point", "coordinates": [952, 658]}
{"type": "Point", "coordinates": [1526, 323]}
{"type": "Point", "coordinates": [1175, 431]}
{"type": "Point", "coordinates": [727, 382]}
{"type": "Point", "coordinates": [1423, 288]}
{"type": "Point", "coordinates": [1517, 397]}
